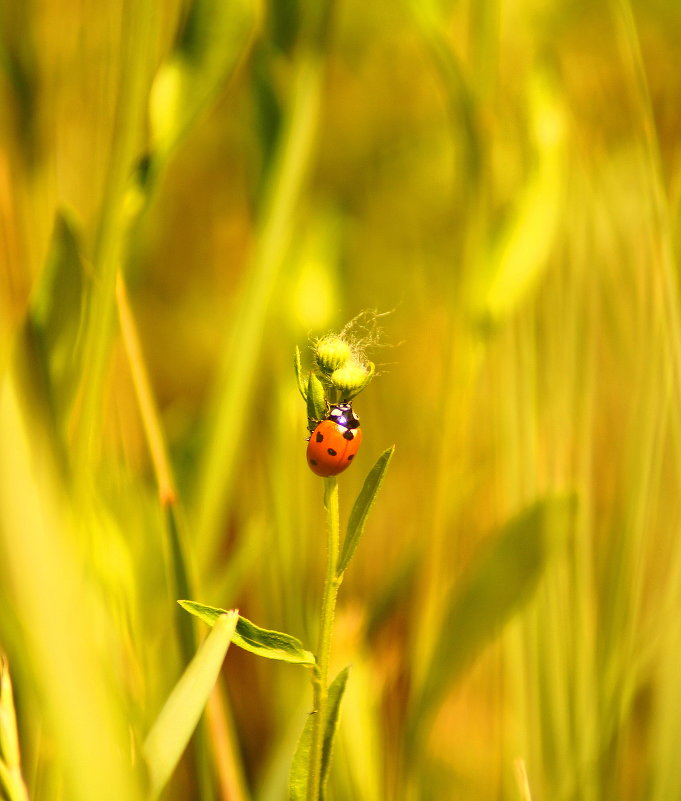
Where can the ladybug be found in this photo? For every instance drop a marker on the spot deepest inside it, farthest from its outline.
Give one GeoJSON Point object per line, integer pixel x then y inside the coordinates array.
{"type": "Point", "coordinates": [335, 441]}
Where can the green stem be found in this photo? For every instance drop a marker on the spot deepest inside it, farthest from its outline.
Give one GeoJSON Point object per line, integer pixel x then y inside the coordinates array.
{"type": "Point", "coordinates": [328, 612]}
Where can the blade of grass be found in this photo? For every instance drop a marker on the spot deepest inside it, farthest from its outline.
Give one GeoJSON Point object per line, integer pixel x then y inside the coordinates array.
{"type": "Point", "coordinates": [54, 611]}
{"type": "Point", "coordinates": [212, 44]}
{"type": "Point", "coordinates": [236, 377]}
{"type": "Point", "coordinates": [112, 227]}
{"type": "Point", "coordinates": [179, 582]}
{"type": "Point", "coordinates": [502, 579]}
{"type": "Point", "coordinates": [173, 728]}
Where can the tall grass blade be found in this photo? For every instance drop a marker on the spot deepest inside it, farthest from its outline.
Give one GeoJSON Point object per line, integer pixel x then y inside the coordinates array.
{"type": "Point", "coordinates": [51, 613]}
{"type": "Point", "coordinates": [173, 728]}
{"type": "Point", "coordinates": [500, 582]}
{"type": "Point", "coordinates": [211, 44]}
{"type": "Point", "coordinates": [521, 255]}
{"type": "Point", "coordinates": [238, 370]}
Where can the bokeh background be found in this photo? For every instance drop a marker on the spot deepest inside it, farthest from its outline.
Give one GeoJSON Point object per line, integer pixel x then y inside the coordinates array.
{"type": "Point", "coordinates": [218, 183]}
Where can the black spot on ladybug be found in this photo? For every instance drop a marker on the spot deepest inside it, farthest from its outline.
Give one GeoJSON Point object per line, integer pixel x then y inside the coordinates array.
{"type": "Point", "coordinates": [331, 452]}
{"type": "Point", "coordinates": [313, 461]}
{"type": "Point", "coordinates": [319, 436]}
{"type": "Point", "coordinates": [348, 434]}
{"type": "Point", "coordinates": [351, 457]}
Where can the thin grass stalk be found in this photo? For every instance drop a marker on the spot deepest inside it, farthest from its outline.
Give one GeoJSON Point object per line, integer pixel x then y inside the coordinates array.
{"type": "Point", "coordinates": [328, 613]}
{"type": "Point", "coordinates": [112, 227]}
{"type": "Point", "coordinates": [238, 371]}
{"type": "Point", "coordinates": [180, 582]}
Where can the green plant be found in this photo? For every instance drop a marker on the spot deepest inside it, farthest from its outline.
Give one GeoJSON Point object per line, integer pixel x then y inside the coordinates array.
{"type": "Point", "coordinates": [340, 373]}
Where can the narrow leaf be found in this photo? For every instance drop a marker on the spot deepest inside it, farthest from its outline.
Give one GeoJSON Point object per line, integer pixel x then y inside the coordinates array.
{"type": "Point", "coordinates": [269, 644]}
{"type": "Point", "coordinates": [336, 690]}
{"type": "Point", "coordinates": [501, 581]}
{"type": "Point", "coordinates": [316, 401]}
{"type": "Point", "coordinates": [360, 511]}
{"type": "Point", "coordinates": [299, 374]}
{"type": "Point", "coordinates": [177, 720]}
{"type": "Point", "coordinates": [300, 766]}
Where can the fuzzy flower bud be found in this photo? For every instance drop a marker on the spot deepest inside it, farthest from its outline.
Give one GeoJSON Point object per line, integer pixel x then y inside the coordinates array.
{"type": "Point", "coordinates": [351, 378]}
{"type": "Point", "coordinates": [331, 353]}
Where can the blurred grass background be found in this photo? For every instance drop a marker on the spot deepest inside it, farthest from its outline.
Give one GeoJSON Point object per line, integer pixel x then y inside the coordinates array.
{"type": "Point", "coordinates": [504, 177]}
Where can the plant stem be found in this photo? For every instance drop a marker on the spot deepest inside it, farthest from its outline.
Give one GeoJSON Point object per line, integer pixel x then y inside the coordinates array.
{"type": "Point", "coordinates": [328, 612]}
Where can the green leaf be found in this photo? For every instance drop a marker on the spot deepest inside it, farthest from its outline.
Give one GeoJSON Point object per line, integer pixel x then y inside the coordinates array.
{"type": "Point", "coordinates": [177, 720]}
{"type": "Point", "coordinates": [300, 766]}
{"type": "Point", "coordinates": [360, 511]}
{"type": "Point", "coordinates": [299, 374]}
{"type": "Point", "coordinates": [316, 401]}
{"type": "Point", "coordinates": [336, 690]}
{"type": "Point", "coordinates": [502, 579]}
{"type": "Point", "coordinates": [269, 644]}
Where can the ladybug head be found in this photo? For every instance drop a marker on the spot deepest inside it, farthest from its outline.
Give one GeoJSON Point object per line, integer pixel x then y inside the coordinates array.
{"type": "Point", "coordinates": [344, 415]}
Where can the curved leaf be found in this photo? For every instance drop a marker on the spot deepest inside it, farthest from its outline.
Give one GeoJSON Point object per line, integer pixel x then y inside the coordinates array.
{"type": "Point", "coordinates": [269, 644]}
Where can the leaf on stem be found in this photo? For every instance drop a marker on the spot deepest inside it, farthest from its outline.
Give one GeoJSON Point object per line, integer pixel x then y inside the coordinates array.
{"type": "Point", "coordinates": [300, 766]}
{"type": "Point", "coordinates": [299, 374]}
{"type": "Point", "coordinates": [360, 511]}
{"type": "Point", "coordinates": [269, 644]}
{"type": "Point", "coordinates": [316, 400]}
{"type": "Point", "coordinates": [336, 690]}
{"type": "Point", "coordinates": [171, 731]}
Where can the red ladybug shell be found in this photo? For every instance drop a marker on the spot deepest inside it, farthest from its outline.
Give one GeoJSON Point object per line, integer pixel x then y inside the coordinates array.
{"type": "Point", "coordinates": [332, 446]}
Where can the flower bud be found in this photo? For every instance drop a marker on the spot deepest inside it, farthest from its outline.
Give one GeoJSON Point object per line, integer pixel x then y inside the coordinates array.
{"type": "Point", "coordinates": [351, 378]}
{"type": "Point", "coordinates": [331, 353]}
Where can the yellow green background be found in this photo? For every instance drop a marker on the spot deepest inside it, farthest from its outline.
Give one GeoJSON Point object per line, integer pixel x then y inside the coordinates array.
{"type": "Point", "coordinates": [501, 182]}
